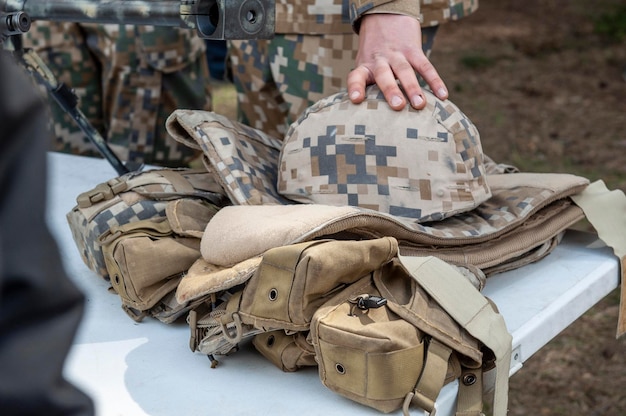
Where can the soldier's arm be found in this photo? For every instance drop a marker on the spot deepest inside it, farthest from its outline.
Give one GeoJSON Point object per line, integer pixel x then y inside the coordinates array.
{"type": "Point", "coordinates": [390, 52]}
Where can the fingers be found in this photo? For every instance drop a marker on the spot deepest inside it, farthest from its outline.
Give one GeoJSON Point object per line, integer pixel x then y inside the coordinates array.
{"type": "Point", "coordinates": [358, 79]}
{"type": "Point", "coordinates": [391, 56]}
{"type": "Point", "coordinates": [432, 78]}
{"type": "Point", "coordinates": [381, 73]}
{"type": "Point", "coordinates": [408, 80]}
{"type": "Point", "coordinates": [386, 79]}
{"type": "Point", "coordinates": [389, 78]}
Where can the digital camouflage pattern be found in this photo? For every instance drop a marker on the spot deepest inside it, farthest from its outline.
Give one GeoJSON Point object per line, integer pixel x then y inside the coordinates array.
{"type": "Point", "coordinates": [244, 159]}
{"type": "Point", "coordinates": [423, 164]}
{"type": "Point", "coordinates": [128, 79]}
{"type": "Point", "coordinates": [340, 16]}
{"type": "Point", "coordinates": [312, 53]}
{"type": "Point", "coordinates": [131, 198]}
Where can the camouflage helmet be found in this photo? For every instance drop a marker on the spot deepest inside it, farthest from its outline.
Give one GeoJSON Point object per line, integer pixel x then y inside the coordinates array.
{"type": "Point", "coordinates": [422, 164]}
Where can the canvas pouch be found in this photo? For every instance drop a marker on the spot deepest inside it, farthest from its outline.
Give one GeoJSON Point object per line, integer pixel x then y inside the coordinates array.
{"type": "Point", "coordinates": [293, 281]}
{"type": "Point", "coordinates": [299, 308]}
{"type": "Point", "coordinates": [387, 342]}
{"type": "Point", "coordinates": [146, 259]}
{"type": "Point", "coordinates": [141, 232]}
{"type": "Point", "coordinates": [285, 290]}
{"type": "Point", "coordinates": [287, 351]}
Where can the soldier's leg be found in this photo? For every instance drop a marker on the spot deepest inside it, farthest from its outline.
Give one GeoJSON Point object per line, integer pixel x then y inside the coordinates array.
{"type": "Point", "coordinates": [148, 72]}
{"type": "Point", "coordinates": [259, 102]}
{"type": "Point", "coordinates": [276, 80]}
{"type": "Point", "coordinates": [63, 47]}
{"type": "Point", "coordinates": [187, 88]}
{"type": "Point", "coordinates": [309, 68]}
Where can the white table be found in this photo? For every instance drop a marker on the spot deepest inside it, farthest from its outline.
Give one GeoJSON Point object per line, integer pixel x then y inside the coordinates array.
{"type": "Point", "coordinates": [147, 368]}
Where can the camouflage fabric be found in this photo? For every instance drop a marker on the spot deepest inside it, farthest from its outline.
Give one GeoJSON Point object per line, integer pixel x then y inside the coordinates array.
{"type": "Point", "coordinates": [341, 16]}
{"type": "Point", "coordinates": [131, 198]}
{"type": "Point", "coordinates": [243, 159]}
{"type": "Point", "coordinates": [278, 79]}
{"type": "Point", "coordinates": [128, 79]}
{"type": "Point", "coordinates": [426, 164]}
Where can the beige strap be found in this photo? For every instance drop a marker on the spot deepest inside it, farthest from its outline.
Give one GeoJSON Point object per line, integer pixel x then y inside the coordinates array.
{"type": "Point", "coordinates": [470, 309]}
{"type": "Point", "coordinates": [470, 397]}
{"type": "Point", "coordinates": [606, 211]}
{"type": "Point", "coordinates": [177, 180]}
{"type": "Point", "coordinates": [431, 380]}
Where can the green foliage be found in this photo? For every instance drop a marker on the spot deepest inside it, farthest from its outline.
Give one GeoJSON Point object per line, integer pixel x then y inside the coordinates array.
{"type": "Point", "coordinates": [612, 24]}
{"type": "Point", "coordinates": [477, 61]}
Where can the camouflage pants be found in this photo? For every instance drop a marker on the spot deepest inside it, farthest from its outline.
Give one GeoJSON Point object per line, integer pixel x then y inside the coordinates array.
{"type": "Point", "coordinates": [278, 79]}
{"type": "Point", "coordinates": [128, 79]}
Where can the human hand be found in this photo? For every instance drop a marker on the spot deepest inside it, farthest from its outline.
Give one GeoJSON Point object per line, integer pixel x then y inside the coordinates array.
{"type": "Point", "coordinates": [390, 50]}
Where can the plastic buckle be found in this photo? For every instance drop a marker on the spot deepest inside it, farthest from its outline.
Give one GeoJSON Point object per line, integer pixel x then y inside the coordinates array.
{"type": "Point", "coordinates": [101, 192]}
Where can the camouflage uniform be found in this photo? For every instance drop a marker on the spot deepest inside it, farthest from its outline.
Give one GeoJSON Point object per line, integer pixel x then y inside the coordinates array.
{"type": "Point", "coordinates": [312, 53]}
{"type": "Point", "coordinates": [129, 79]}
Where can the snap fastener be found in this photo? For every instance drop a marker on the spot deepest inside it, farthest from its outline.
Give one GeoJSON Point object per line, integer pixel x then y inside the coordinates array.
{"type": "Point", "coordinates": [469, 379]}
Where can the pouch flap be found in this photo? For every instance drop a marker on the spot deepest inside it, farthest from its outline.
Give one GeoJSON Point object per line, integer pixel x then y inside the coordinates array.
{"type": "Point", "coordinates": [245, 159]}
{"type": "Point", "coordinates": [189, 217]}
{"type": "Point", "coordinates": [293, 281]}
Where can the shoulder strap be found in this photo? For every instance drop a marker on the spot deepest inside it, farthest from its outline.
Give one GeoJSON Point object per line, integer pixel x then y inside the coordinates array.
{"type": "Point", "coordinates": [470, 309]}
{"type": "Point", "coordinates": [606, 211]}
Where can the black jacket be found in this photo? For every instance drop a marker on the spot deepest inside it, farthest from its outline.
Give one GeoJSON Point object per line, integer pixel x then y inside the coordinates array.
{"type": "Point", "coordinates": [40, 308]}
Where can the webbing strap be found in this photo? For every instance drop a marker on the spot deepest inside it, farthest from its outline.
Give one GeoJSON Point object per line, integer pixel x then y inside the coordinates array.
{"type": "Point", "coordinates": [177, 180]}
{"type": "Point", "coordinates": [606, 211]}
{"type": "Point", "coordinates": [470, 397]}
{"type": "Point", "coordinates": [431, 380]}
{"type": "Point", "coordinates": [470, 309]}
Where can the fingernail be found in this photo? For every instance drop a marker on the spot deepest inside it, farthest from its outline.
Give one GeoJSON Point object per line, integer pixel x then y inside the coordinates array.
{"type": "Point", "coordinates": [354, 95]}
{"type": "Point", "coordinates": [396, 101]}
{"type": "Point", "coordinates": [417, 100]}
{"type": "Point", "coordinates": [442, 93]}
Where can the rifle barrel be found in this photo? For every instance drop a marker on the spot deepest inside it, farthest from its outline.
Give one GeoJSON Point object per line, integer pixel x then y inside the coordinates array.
{"type": "Point", "coordinates": [212, 19]}
{"type": "Point", "coordinates": [134, 12]}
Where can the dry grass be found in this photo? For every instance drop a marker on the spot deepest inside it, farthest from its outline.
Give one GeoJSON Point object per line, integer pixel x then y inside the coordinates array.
{"type": "Point", "coordinates": [225, 99]}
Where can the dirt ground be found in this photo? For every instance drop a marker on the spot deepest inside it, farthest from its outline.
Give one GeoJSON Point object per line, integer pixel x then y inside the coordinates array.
{"type": "Point", "coordinates": [545, 83]}
{"type": "Point", "coordinates": [546, 91]}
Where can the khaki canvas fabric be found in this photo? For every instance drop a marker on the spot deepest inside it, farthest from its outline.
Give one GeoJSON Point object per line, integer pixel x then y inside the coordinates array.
{"type": "Point", "coordinates": [606, 211]}
{"type": "Point", "coordinates": [289, 352]}
{"type": "Point", "coordinates": [414, 346]}
{"type": "Point", "coordinates": [285, 295]}
{"type": "Point", "coordinates": [386, 349]}
{"type": "Point", "coordinates": [145, 262]}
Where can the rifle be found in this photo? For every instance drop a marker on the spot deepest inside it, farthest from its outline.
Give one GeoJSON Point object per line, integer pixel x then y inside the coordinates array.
{"type": "Point", "coordinates": [212, 19]}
